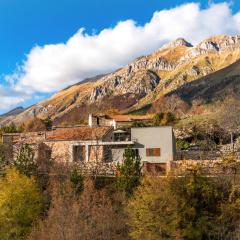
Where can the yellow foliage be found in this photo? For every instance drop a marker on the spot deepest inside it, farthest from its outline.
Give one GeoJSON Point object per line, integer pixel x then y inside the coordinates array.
{"type": "Point", "coordinates": [20, 204]}
{"type": "Point", "coordinates": [152, 211]}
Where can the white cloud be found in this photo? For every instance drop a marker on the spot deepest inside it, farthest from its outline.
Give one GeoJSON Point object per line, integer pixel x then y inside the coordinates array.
{"type": "Point", "coordinates": [51, 67]}
{"type": "Point", "coordinates": [11, 98]}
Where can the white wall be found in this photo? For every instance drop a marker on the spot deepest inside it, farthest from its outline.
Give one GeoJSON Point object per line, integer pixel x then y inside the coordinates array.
{"type": "Point", "coordinates": [154, 137]}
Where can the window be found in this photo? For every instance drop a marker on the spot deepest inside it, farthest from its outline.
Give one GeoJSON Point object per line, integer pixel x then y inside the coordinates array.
{"type": "Point", "coordinates": [107, 154]}
{"type": "Point", "coordinates": [78, 153]}
{"type": "Point", "coordinates": [153, 152]}
{"type": "Point", "coordinates": [48, 154]}
{"type": "Point", "coordinates": [136, 152]}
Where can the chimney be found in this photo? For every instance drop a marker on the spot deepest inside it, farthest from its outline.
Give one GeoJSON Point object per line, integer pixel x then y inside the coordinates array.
{"type": "Point", "coordinates": [114, 124]}
{"type": "Point", "coordinates": [90, 120]}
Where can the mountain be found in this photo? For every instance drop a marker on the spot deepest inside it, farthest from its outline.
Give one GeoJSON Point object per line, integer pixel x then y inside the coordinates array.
{"type": "Point", "coordinates": [173, 69]}
{"type": "Point", "coordinates": [10, 115]}
{"type": "Point", "coordinates": [213, 87]}
{"type": "Point", "coordinates": [13, 112]}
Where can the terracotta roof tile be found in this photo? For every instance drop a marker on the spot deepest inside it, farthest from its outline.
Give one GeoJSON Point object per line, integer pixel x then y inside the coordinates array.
{"type": "Point", "coordinates": [77, 134]}
{"type": "Point", "coordinates": [129, 118]}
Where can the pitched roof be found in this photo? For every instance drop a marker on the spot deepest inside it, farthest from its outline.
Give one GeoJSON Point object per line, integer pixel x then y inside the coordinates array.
{"type": "Point", "coordinates": [129, 118]}
{"type": "Point", "coordinates": [77, 134]}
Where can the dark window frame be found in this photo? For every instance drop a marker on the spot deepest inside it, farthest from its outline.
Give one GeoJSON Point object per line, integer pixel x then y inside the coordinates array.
{"type": "Point", "coordinates": [78, 153]}
{"type": "Point", "coordinates": [153, 152]}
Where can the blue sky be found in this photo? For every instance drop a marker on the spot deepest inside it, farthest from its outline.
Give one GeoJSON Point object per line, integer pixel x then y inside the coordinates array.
{"type": "Point", "coordinates": [29, 73]}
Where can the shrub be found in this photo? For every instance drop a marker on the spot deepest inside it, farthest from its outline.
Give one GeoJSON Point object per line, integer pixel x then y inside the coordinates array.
{"type": "Point", "coordinates": [190, 207]}
{"type": "Point", "coordinates": [25, 162]}
{"type": "Point", "coordinates": [92, 215]}
{"type": "Point", "coordinates": [35, 125]}
{"type": "Point", "coordinates": [10, 128]}
{"type": "Point", "coordinates": [152, 210]}
{"type": "Point", "coordinates": [157, 118]}
{"type": "Point", "coordinates": [48, 123]}
{"type": "Point", "coordinates": [20, 205]}
{"type": "Point", "coordinates": [198, 204]}
{"type": "Point", "coordinates": [163, 119]}
{"type": "Point", "coordinates": [138, 124]}
{"type": "Point", "coordinates": [76, 179]}
{"type": "Point", "coordinates": [182, 145]}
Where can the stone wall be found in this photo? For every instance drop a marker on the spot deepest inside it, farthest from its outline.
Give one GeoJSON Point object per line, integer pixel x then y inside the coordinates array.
{"type": "Point", "coordinates": [96, 153]}
{"type": "Point", "coordinates": [98, 169]}
{"type": "Point", "coordinates": [213, 155]}
{"type": "Point", "coordinates": [15, 141]}
{"type": "Point", "coordinates": [61, 151]}
{"type": "Point", "coordinates": [198, 155]}
{"type": "Point", "coordinates": [207, 166]}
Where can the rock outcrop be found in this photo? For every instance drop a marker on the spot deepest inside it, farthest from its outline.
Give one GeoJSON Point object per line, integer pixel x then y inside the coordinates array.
{"type": "Point", "coordinates": [144, 79]}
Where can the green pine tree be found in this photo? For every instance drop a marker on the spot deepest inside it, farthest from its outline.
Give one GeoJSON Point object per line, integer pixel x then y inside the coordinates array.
{"type": "Point", "coordinates": [129, 172]}
{"type": "Point", "coordinates": [48, 123]}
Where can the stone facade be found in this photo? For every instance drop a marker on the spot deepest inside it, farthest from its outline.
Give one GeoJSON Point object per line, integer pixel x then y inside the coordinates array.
{"type": "Point", "coordinates": [96, 147]}
{"type": "Point", "coordinates": [16, 140]}
{"type": "Point", "coordinates": [43, 143]}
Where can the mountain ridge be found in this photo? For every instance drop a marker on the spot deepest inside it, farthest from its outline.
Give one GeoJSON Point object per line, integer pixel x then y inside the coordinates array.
{"type": "Point", "coordinates": [143, 80]}
{"type": "Point", "coordinates": [13, 112]}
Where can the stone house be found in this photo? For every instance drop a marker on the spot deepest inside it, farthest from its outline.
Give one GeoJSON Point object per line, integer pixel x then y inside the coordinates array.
{"type": "Point", "coordinates": [72, 144]}
{"type": "Point", "coordinates": [14, 141]}
{"type": "Point", "coordinates": [86, 144]}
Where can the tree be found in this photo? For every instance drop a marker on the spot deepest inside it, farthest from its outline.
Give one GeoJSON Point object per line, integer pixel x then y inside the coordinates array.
{"type": "Point", "coordinates": [152, 210]}
{"type": "Point", "coordinates": [20, 205]}
{"type": "Point", "coordinates": [45, 164]}
{"type": "Point", "coordinates": [92, 215]}
{"type": "Point", "coordinates": [3, 160]}
{"type": "Point", "coordinates": [168, 118]}
{"type": "Point", "coordinates": [157, 118]}
{"type": "Point", "coordinates": [138, 124]}
{"type": "Point", "coordinates": [129, 172]}
{"type": "Point", "coordinates": [34, 125]}
{"type": "Point", "coordinates": [48, 123]}
{"type": "Point", "coordinates": [25, 162]}
{"type": "Point", "coordinates": [192, 206]}
{"type": "Point", "coordinates": [229, 117]}
{"type": "Point", "coordinates": [10, 128]}
{"type": "Point", "coordinates": [199, 198]}
{"type": "Point", "coordinates": [182, 145]}
{"type": "Point", "coordinates": [229, 220]}
{"type": "Point", "coordinates": [163, 119]}
{"type": "Point", "coordinates": [173, 104]}
{"type": "Point", "coordinates": [77, 180]}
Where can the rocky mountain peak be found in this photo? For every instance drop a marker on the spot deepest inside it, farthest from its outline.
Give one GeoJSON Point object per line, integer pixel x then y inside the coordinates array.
{"type": "Point", "coordinates": [220, 43]}
{"type": "Point", "coordinates": [141, 81]}
{"type": "Point", "coordinates": [178, 42]}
